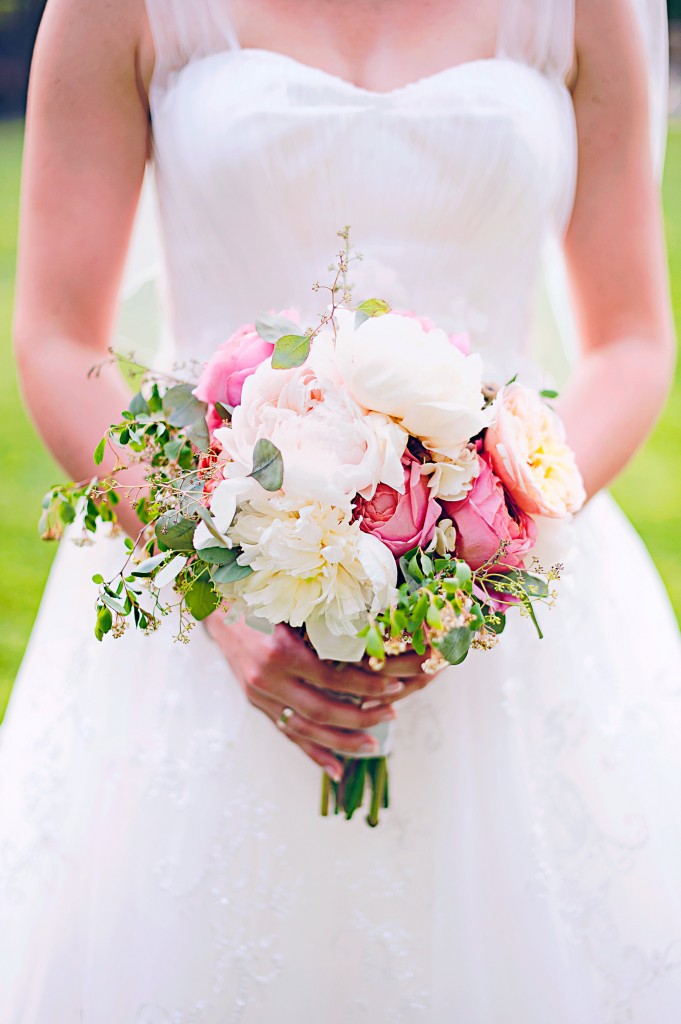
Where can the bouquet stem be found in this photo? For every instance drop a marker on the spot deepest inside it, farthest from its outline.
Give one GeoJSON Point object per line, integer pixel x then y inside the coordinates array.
{"type": "Point", "coordinates": [362, 777]}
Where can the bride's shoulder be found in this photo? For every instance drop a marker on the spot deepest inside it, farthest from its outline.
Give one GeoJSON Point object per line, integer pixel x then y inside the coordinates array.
{"type": "Point", "coordinates": [113, 37]}
{"type": "Point", "coordinates": [609, 46]}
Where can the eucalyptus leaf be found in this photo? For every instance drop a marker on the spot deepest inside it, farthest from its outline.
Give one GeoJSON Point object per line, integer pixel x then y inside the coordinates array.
{"type": "Point", "coordinates": [268, 465]}
{"type": "Point", "coordinates": [534, 586]}
{"type": "Point", "coordinates": [231, 572]}
{"type": "Point", "coordinates": [223, 410]}
{"type": "Point", "coordinates": [272, 327]}
{"type": "Point", "coordinates": [455, 645]}
{"type": "Point", "coordinates": [175, 533]}
{"type": "Point", "coordinates": [146, 567]}
{"type": "Point", "coordinates": [139, 405]}
{"type": "Point", "coordinates": [182, 408]}
{"type": "Point", "coordinates": [289, 351]}
{"type": "Point", "coordinates": [201, 598]}
{"type": "Point", "coordinates": [218, 555]}
{"type": "Point", "coordinates": [373, 307]}
{"type": "Point", "coordinates": [104, 622]}
{"type": "Point", "coordinates": [170, 571]}
{"type": "Point", "coordinates": [116, 604]}
{"type": "Point", "coordinates": [197, 433]}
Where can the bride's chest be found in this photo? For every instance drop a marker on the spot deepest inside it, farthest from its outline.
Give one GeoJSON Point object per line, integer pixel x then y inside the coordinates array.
{"type": "Point", "coordinates": [487, 142]}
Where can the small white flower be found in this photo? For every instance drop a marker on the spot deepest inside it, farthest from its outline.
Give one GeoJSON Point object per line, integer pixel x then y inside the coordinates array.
{"type": "Point", "coordinates": [452, 479]}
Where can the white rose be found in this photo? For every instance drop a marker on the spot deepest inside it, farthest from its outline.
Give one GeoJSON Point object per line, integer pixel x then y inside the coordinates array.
{"type": "Point", "coordinates": [391, 365]}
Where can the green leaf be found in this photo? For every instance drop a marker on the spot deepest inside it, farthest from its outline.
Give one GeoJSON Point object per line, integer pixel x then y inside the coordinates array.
{"type": "Point", "coordinates": [373, 307]}
{"type": "Point", "coordinates": [98, 578]}
{"type": "Point", "coordinates": [98, 456]}
{"type": "Point", "coordinates": [139, 405]}
{"type": "Point", "coordinates": [201, 598]}
{"type": "Point", "coordinates": [217, 555]}
{"type": "Point", "coordinates": [289, 351]}
{"type": "Point", "coordinates": [494, 621]}
{"type": "Point", "coordinates": [535, 587]}
{"type": "Point", "coordinates": [223, 411]}
{"type": "Point", "coordinates": [197, 433]}
{"type": "Point", "coordinates": [268, 465]}
{"type": "Point", "coordinates": [231, 572]}
{"type": "Point", "coordinates": [182, 407]}
{"type": "Point", "coordinates": [456, 644]}
{"type": "Point", "coordinates": [548, 393]}
{"type": "Point", "coordinates": [104, 622]}
{"type": "Point", "coordinates": [146, 567]}
{"type": "Point", "coordinates": [67, 512]}
{"type": "Point", "coordinates": [172, 449]}
{"type": "Point", "coordinates": [374, 644]}
{"type": "Point", "coordinates": [175, 533]}
{"type": "Point", "coordinates": [116, 604]}
{"type": "Point", "coordinates": [273, 327]}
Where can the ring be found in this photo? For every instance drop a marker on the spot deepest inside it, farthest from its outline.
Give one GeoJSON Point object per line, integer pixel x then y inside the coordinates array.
{"type": "Point", "coordinates": [284, 718]}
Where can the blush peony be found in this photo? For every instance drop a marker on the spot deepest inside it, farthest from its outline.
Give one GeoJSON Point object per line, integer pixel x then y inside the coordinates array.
{"type": "Point", "coordinates": [331, 449]}
{"type": "Point", "coordinates": [527, 449]}
{"type": "Point", "coordinates": [484, 521]}
{"type": "Point", "coordinates": [392, 365]}
{"type": "Point", "coordinates": [401, 521]}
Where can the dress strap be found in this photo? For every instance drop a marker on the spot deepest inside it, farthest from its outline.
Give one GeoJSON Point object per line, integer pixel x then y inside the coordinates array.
{"type": "Point", "coordinates": [183, 30]}
{"type": "Point", "coordinates": [540, 33]}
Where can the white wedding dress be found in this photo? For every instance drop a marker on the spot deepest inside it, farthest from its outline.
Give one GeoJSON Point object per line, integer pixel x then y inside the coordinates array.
{"type": "Point", "coordinates": [162, 859]}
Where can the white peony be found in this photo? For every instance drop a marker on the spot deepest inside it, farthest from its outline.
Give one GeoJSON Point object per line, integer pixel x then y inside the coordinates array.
{"type": "Point", "coordinates": [391, 365]}
{"type": "Point", "coordinates": [331, 449]}
{"type": "Point", "coordinates": [313, 566]}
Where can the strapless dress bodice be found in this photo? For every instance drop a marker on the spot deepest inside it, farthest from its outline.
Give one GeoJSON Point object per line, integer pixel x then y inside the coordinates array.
{"type": "Point", "coordinates": [451, 186]}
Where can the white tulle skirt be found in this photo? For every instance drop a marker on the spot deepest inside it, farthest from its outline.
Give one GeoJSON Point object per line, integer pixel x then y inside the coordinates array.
{"type": "Point", "coordinates": [162, 859]}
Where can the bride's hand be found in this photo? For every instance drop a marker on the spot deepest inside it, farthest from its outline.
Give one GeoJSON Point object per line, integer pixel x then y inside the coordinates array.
{"type": "Point", "coordinates": [280, 671]}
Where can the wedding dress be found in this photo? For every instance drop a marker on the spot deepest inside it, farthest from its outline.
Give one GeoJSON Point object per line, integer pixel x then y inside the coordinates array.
{"type": "Point", "coordinates": [162, 859]}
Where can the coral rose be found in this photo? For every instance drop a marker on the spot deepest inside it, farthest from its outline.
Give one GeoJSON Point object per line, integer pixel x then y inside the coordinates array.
{"type": "Point", "coordinates": [527, 449]}
{"type": "Point", "coordinates": [484, 520]}
{"type": "Point", "coordinates": [401, 521]}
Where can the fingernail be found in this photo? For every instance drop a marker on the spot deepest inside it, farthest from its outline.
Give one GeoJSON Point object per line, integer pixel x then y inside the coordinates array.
{"type": "Point", "coordinates": [394, 688]}
{"type": "Point", "coordinates": [369, 705]}
{"type": "Point", "coordinates": [370, 747]}
{"type": "Point", "coordinates": [388, 715]}
{"type": "Point", "coordinates": [333, 772]}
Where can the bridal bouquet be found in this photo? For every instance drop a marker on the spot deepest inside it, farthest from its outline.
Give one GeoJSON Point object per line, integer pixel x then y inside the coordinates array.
{"type": "Point", "coordinates": [359, 481]}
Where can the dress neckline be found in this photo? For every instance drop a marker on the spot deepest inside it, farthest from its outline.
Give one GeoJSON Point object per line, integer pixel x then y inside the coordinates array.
{"type": "Point", "coordinates": [425, 81]}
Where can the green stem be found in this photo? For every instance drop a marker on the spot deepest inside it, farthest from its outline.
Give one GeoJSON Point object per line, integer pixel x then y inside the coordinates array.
{"type": "Point", "coordinates": [379, 781]}
{"type": "Point", "coordinates": [326, 794]}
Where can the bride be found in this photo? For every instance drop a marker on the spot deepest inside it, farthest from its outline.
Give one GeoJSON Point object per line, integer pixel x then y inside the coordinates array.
{"type": "Point", "coordinates": [161, 861]}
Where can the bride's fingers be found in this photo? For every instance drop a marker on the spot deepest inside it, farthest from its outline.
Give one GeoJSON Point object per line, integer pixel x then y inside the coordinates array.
{"type": "Point", "coordinates": [292, 653]}
{"type": "Point", "coordinates": [300, 730]}
{"type": "Point", "coordinates": [323, 709]}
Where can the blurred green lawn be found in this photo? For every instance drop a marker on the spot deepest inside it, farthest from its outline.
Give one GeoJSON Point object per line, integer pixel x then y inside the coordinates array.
{"type": "Point", "coordinates": [650, 490]}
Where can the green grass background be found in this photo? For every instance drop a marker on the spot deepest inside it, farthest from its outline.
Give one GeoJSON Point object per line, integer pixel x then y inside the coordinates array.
{"type": "Point", "coordinates": [649, 491]}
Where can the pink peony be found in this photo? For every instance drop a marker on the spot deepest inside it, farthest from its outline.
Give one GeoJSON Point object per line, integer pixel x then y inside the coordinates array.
{"type": "Point", "coordinates": [484, 519]}
{"type": "Point", "coordinates": [460, 341]}
{"type": "Point", "coordinates": [401, 521]}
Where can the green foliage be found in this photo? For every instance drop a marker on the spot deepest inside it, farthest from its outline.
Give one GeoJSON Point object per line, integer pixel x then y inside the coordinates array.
{"type": "Point", "coordinates": [268, 465]}
{"type": "Point", "coordinates": [290, 351]}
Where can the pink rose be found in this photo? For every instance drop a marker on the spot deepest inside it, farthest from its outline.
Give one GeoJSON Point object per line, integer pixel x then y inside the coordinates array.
{"type": "Point", "coordinates": [527, 450]}
{"type": "Point", "coordinates": [230, 365]}
{"type": "Point", "coordinates": [401, 521]}
{"type": "Point", "coordinates": [485, 518]}
{"type": "Point", "coordinates": [460, 341]}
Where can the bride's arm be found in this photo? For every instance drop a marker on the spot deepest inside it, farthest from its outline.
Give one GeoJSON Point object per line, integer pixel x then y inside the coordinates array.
{"type": "Point", "coordinates": [615, 252]}
{"type": "Point", "coordinates": [86, 144]}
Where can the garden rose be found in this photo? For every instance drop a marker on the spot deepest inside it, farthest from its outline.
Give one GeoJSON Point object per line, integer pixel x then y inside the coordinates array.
{"type": "Point", "coordinates": [527, 450]}
{"type": "Point", "coordinates": [484, 520]}
{"type": "Point", "coordinates": [223, 376]}
{"type": "Point", "coordinates": [391, 365]}
{"type": "Point", "coordinates": [401, 521]}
